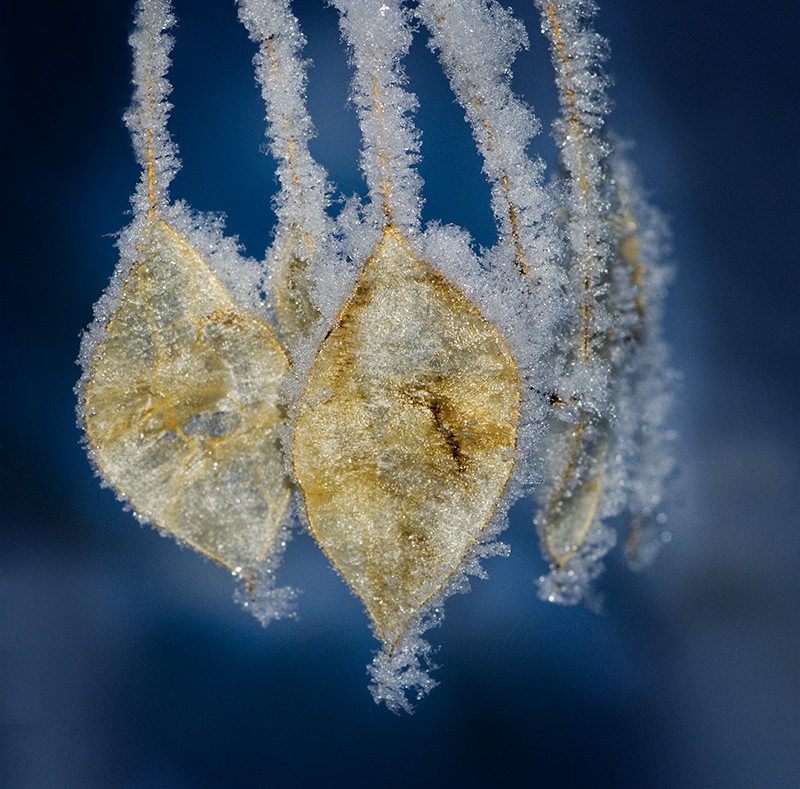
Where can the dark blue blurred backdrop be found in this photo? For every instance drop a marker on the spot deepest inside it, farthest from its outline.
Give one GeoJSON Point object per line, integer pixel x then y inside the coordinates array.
{"type": "Point", "coordinates": [124, 661]}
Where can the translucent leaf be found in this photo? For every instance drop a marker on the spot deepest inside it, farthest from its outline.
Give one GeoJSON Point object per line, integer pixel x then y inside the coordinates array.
{"type": "Point", "coordinates": [573, 502]}
{"type": "Point", "coordinates": [181, 406]}
{"type": "Point", "coordinates": [293, 285]}
{"type": "Point", "coordinates": [405, 435]}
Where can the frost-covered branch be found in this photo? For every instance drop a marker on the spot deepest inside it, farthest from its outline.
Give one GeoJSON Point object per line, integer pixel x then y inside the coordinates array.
{"type": "Point", "coordinates": [303, 235]}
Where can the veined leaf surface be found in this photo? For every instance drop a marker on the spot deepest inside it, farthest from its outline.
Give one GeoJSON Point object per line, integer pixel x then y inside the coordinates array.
{"type": "Point", "coordinates": [293, 306]}
{"type": "Point", "coordinates": [573, 502]}
{"type": "Point", "coordinates": [181, 405]}
{"type": "Point", "coordinates": [405, 435]}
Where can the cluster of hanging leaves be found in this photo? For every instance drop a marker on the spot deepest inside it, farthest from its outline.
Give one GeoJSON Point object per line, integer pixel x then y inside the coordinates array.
{"type": "Point", "coordinates": [397, 409]}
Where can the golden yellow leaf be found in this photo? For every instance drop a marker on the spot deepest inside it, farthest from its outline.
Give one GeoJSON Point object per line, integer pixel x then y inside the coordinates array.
{"type": "Point", "coordinates": [293, 306]}
{"type": "Point", "coordinates": [181, 406]}
{"type": "Point", "coordinates": [572, 505]}
{"type": "Point", "coordinates": [405, 434]}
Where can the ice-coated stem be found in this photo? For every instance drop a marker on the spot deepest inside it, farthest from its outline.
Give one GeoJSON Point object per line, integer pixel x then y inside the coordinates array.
{"type": "Point", "coordinates": [578, 452]}
{"type": "Point", "coordinates": [281, 73]}
{"type": "Point", "coordinates": [147, 117]}
{"type": "Point", "coordinates": [303, 232]}
{"type": "Point", "coordinates": [477, 42]}
{"type": "Point", "coordinates": [378, 36]}
{"type": "Point", "coordinates": [576, 52]}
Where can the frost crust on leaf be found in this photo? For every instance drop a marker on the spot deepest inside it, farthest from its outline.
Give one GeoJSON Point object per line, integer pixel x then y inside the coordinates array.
{"type": "Point", "coordinates": [405, 435]}
{"type": "Point", "coordinates": [181, 406]}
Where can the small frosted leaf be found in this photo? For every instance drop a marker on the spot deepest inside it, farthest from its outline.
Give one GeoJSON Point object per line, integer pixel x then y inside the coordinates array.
{"type": "Point", "coordinates": [405, 434]}
{"type": "Point", "coordinates": [572, 505]}
{"type": "Point", "coordinates": [293, 285]}
{"type": "Point", "coordinates": [181, 406]}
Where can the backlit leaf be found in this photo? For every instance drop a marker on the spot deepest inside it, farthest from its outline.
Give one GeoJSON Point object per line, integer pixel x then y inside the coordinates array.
{"type": "Point", "coordinates": [405, 435]}
{"type": "Point", "coordinates": [181, 409]}
{"type": "Point", "coordinates": [293, 285]}
{"type": "Point", "coordinates": [572, 504]}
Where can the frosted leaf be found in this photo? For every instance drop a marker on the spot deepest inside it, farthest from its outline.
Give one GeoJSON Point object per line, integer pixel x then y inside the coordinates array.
{"type": "Point", "coordinates": [573, 500]}
{"type": "Point", "coordinates": [646, 381]}
{"type": "Point", "coordinates": [405, 435]}
{"type": "Point", "coordinates": [574, 497]}
{"type": "Point", "coordinates": [181, 406]}
{"type": "Point", "coordinates": [293, 284]}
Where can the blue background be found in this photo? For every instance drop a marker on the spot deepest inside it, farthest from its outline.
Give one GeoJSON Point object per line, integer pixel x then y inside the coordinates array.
{"type": "Point", "coordinates": [124, 661]}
